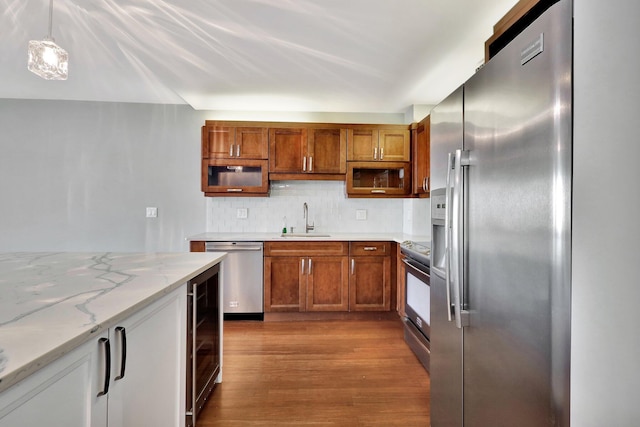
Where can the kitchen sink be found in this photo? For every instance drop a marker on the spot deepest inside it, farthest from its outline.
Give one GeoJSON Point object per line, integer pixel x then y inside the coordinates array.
{"type": "Point", "coordinates": [298, 235]}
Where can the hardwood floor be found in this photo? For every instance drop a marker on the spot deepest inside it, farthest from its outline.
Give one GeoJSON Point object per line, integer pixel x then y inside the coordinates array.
{"type": "Point", "coordinates": [318, 373]}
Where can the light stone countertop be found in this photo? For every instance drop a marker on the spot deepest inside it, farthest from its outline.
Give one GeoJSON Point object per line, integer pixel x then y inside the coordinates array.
{"type": "Point", "coordinates": [312, 236]}
{"type": "Point", "coordinates": [52, 302]}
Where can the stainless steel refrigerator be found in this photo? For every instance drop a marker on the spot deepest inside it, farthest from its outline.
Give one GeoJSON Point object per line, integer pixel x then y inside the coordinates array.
{"type": "Point", "coordinates": [501, 153]}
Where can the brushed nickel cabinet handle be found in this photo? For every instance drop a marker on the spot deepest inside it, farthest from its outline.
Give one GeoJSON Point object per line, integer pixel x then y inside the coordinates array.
{"type": "Point", "coordinates": [370, 248]}
{"type": "Point", "coordinates": [231, 150]}
{"type": "Point", "coordinates": [375, 153]}
{"type": "Point", "coordinates": [378, 191]}
{"type": "Point", "coordinates": [234, 190]}
{"type": "Point", "coordinates": [310, 164]}
{"type": "Point", "coordinates": [353, 265]}
{"type": "Point", "coordinates": [381, 153]}
{"type": "Point", "coordinates": [304, 164]}
{"type": "Point", "coordinates": [237, 150]}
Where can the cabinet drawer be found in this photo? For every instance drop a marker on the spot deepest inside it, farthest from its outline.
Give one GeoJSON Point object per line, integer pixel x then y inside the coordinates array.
{"type": "Point", "coordinates": [305, 248]}
{"type": "Point", "coordinates": [370, 248]}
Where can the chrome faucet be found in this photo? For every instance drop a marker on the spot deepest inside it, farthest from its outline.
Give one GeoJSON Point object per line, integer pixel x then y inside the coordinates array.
{"type": "Point", "coordinates": [307, 227]}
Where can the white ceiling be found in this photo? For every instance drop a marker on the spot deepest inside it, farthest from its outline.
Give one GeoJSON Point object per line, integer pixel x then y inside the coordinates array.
{"type": "Point", "coordinates": [377, 56]}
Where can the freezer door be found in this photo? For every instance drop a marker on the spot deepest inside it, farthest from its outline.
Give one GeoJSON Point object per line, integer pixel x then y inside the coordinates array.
{"type": "Point", "coordinates": [445, 365]}
{"type": "Point", "coordinates": [518, 136]}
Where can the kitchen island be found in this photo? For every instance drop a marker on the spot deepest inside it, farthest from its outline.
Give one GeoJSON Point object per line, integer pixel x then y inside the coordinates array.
{"type": "Point", "coordinates": [55, 304]}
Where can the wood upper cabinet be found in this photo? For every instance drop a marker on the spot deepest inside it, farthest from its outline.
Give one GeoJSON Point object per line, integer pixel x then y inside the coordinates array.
{"type": "Point", "coordinates": [314, 279]}
{"type": "Point", "coordinates": [327, 151]}
{"type": "Point", "coordinates": [230, 142]}
{"type": "Point", "coordinates": [420, 153]}
{"type": "Point", "coordinates": [307, 153]}
{"type": "Point", "coordinates": [287, 150]}
{"type": "Point", "coordinates": [370, 276]}
{"type": "Point", "coordinates": [378, 179]}
{"type": "Point", "coordinates": [379, 144]}
{"type": "Point", "coordinates": [235, 177]}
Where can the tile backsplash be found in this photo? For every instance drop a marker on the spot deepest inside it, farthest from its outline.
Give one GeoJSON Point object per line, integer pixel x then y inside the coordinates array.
{"type": "Point", "coordinates": [329, 210]}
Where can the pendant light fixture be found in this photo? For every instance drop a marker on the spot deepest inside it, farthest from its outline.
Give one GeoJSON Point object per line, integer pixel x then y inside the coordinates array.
{"type": "Point", "coordinates": [46, 58]}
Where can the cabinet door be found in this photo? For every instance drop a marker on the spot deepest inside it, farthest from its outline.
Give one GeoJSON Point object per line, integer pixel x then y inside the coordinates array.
{"type": "Point", "coordinates": [362, 144]}
{"type": "Point", "coordinates": [252, 143]}
{"type": "Point", "coordinates": [327, 151]}
{"type": "Point", "coordinates": [378, 179]}
{"type": "Point", "coordinates": [287, 150]}
{"type": "Point", "coordinates": [218, 142]}
{"type": "Point", "coordinates": [394, 145]}
{"type": "Point", "coordinates": [420, 155]}
{"type": "Point", "coordinates": [327, 284]}
{"type": "Point", "coordinates": [226, 177]}
{"type": "Point", "coordinates": [284, 284]}
{"type": "Point", "coordinates": [150, 391]}
{"type": "Point", "coordinates": [369, 283]}
{"type": "Point", "coordinates": [62, 394]}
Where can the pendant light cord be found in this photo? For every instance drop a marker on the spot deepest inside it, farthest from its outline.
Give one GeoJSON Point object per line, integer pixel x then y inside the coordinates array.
{"type": "Point", "coordinates": [50, 17]}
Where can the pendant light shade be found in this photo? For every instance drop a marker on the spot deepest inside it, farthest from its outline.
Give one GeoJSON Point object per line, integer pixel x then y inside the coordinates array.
{"type": "Point", "coordinates": [46, 58]}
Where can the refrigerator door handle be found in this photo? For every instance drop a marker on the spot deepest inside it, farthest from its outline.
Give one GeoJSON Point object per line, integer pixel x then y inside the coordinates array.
{"type": "Point", "coordinates": [457, 239]}
{"type": "Point", "coordinates": [447, 236]}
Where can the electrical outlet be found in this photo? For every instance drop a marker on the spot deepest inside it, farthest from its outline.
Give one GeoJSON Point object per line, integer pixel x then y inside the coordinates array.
{"type": "Point", "coordinates": [152, 212]}
{"type": "Point", "coordinates": [241, 213]}
{"type": "Point", "coordinates": [361, 214]}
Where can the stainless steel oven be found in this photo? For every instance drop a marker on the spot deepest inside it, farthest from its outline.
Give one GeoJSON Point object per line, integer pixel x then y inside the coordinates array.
{"type": "Point", "coordinates": [418, 299]}
{"type": "Point", "coordinates": [203, 340]}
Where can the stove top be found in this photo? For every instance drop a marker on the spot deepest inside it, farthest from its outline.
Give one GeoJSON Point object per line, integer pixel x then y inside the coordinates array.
{"type": "Point", "coordinates": [419, 251]}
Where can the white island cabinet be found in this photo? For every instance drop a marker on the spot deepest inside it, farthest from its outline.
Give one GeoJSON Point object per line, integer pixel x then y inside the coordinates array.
{"type": "Point", "coordinates": [120, 356]}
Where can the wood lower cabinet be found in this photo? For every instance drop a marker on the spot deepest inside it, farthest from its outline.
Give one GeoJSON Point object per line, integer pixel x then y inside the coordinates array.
{"type": "Point", "coordinates": [327, 284]}
{"type": "Point", "coordinates": [306, 276]}
{"type": "Point", "coordinates": [370, 276]}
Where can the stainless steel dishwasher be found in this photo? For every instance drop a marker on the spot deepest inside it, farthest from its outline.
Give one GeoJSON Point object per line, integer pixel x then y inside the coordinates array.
{"type": "Point", "coordinates": [241, 277]}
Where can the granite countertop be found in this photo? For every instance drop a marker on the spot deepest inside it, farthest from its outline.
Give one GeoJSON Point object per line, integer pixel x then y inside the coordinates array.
{"type": "Point", "coordinates": [52, 302]}
{"type": "Point", "coordinates": [319, 236]}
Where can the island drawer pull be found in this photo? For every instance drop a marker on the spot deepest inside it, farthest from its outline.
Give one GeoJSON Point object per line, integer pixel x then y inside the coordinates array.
{"type": "Point", "coordinates": [106, 347]}
{"type": "Point", "coordinates": [123, 353]}
{"type": "Point", "coordinates": [234, 190]}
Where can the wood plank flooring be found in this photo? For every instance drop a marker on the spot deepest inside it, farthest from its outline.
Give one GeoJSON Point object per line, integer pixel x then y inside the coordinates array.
{"type": "Point", "coordinates": [318, 373]}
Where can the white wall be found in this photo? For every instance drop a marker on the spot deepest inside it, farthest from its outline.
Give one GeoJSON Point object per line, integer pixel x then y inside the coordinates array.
{"type": "Point", "coordinates": [77, 176]}
{"type": "Point", "coordinates": [606, 209]}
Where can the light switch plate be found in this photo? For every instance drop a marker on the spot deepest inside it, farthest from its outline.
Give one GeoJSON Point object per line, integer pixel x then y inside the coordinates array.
{"type": "Point", "coordinates": [241, 213]}
{"type": "Point", "coordinates": [361, 214]}
{"type": "Point", "coordinates": [152, 212]}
